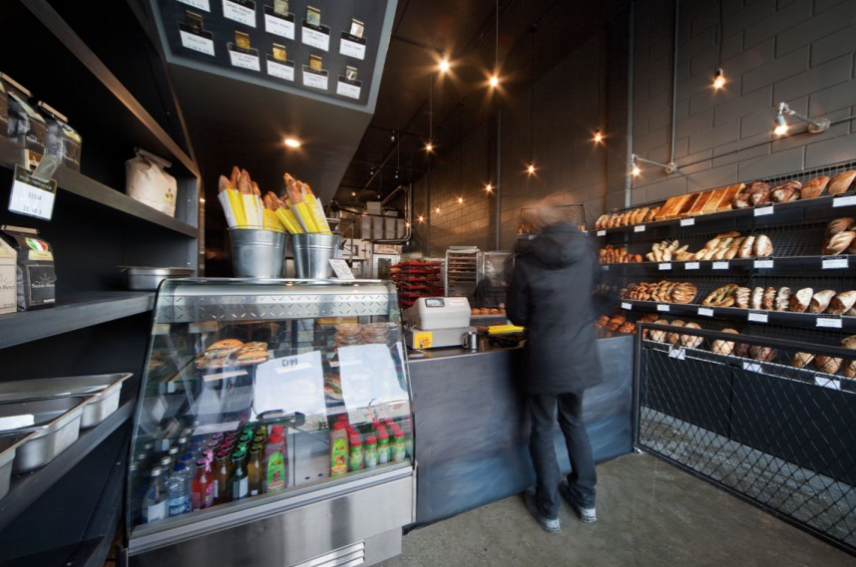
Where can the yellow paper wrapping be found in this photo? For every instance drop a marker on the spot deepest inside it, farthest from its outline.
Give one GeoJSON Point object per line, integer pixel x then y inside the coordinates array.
{"type": "Point", "coordinates": [287, 219]}
{"type": "Point", "coordinates": [272, 221]}
{"type": "Point", "coordinates": [237, 208]}
{"type": "Point", "coordinates": [304, 215]}
{"type": "Point", "coordinates": [253, 210]}
{"type": "Point", "coordinates": [318, 214]}
{"type": "Point", "coordinates": [223, 197]}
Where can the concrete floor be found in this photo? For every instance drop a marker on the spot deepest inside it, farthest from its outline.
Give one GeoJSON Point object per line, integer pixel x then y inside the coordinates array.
{"type": "Point", "coordinates": [649, 514]}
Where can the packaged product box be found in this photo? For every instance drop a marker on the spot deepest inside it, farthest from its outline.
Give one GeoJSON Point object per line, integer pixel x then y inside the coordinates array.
{"type": "Point", "coordinates": [147, 181]}
{"type": "Point", "coordinates": [35, 275]}
{"type": "Point", "coordinates": [25, 126]}
{"type": "Point", "coordinates": [8, 288]}
{"type": "Point", "coordinates": [62, 141]}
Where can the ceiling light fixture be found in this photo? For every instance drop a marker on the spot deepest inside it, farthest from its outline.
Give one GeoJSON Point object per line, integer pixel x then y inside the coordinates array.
{"type": "Point", "coordinates": [814, 126]}
{"type": "Point", "coordinates": [460, 200]}
{"type": "Point", "coordinates": [429, 147]}
{"type": "Point", "coordinates": [718, 75]}
{"type": "Point", "coordinates": [444, 65]}
{"type": "Point", "coordinates": [669, 168]}
{"type": "Point", "coordinates": [718, 79]}
{"type": "Point", "coordinates": [531, 169]}
{"type": "Point", "coordinates": [353, 193]}
{"type": "Point", "coordinates": [488, 188]}
{"type": "Point", "coordinates": [292, 142]}
{"type": "Point", "coordinates": [421, 218]}
{"type": "Point", "coordinates": [494, 79]}
{"type": "Point", "coordinates": [598, 137]}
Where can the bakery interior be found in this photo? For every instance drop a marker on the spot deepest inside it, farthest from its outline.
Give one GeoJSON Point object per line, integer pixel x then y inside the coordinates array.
{"type": "Point", "coordinates": [180, 179]}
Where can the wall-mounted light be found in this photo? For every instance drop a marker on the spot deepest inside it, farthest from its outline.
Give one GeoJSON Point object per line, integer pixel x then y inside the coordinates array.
{"type": "Point", "coordinates": [437, 210]}
{"type": "Point", "coordinates": [421, 219]}
{"type": "Point", "coordinates": [669, 168]}
{"type": "Point", "coordinates": [598, 137]}
{"type": "Point", "coordinates": [460, 200]}
{"type": "Point", "coordinates": [292, 142]}
{"type": "Point", "coordinates": [429, 146]}
{"type": "Point", "coordinates": [531, 168]}
{"type": "Point", "coordinates": [718, 79]}
{"type": "Point", "coordinates": [488, 188]}
{"type": "Point", "coordinates": [494, 81]}
{"type": "Point", "coordinates": [814, 126]}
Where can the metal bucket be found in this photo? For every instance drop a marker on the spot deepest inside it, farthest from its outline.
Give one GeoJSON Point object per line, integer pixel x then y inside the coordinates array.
{"type": "Point", "coordinates": [312, 253]}
{"type": "Point", "coordinates": [257, 253]}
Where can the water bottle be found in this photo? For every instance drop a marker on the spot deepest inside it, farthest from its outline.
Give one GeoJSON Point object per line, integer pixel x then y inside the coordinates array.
{"type": "Point", "coordinates": [178, 487]}
{"type": "Point", "coordinates": [154, 505]}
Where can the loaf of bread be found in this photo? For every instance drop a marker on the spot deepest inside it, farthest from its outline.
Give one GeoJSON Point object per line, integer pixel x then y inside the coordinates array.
{"type": "Point", "coordinates": [842, 303]}
{"type": "Point", "coordinates": [727, 198]}
{"type": "Point", "coordinates": [672, 208]}
{"type": "Point", "coordinates": [652, 214]}
{"type": "Point", "coordinates": [849, 365]}
{"type": "Point", "coordinates": [802, 359]}
{"type": "Point", "coordinates": [768, 301]}
{"type": "Point", "coordinates": [741, 199]}
{"type": "Point", "coordinates": [783, 298]}
{"type": "Point", "coordinates": [838, 225]}
{"type": "Point", "coordinates": [762, 246]}
{"type": "Point", "coordinates": [759, 194]}
{"type": "Point", "coordinates": [838, 243]}
{"type": "Point", "coordinates": [814, 188]}
{"type": "Point", "coordinates": [762, 353]}
{"type": "Point", "coordinates": [674, 338]}
{"type": "Point", "coordinates": [691, 341]}
{"type": "Point", "coordinates": [747, 248]}
{"type": "Point", "coordinates": [801, 300]}
{"type": "Point", "coordinates": [828, 364]}
{"type": "Point", "coordinates": [700, 204]}
{"type": "Point", "coordinates": [841, 182]}
{"type": "Point", "coordinates": [658, 335]}
{"type": "Point", "coordinates": [721, 346]}
{"type": "Point", "coordinates": [785, 192]}
{"type": "Point", "coordinates": [757, 298]}
{"type": "Point", "coordinates": [743, 297]}
{"type": "Point", "coordinates": [820, 301]}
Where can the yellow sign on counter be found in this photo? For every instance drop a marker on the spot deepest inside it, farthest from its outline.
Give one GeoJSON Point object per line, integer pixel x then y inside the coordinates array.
{"type": "Point", "coordinates": [423, 339]}
{"type": "Point", "coordinates": [504, 329]}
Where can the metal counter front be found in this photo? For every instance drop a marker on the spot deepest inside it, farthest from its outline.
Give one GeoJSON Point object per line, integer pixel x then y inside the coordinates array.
{"type": "Point", "coordinates": [472, 441]}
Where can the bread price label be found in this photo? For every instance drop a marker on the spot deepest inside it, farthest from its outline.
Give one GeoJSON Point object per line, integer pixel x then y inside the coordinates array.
{"type": "Point", "coordinates": [241, 11]}
{"type": "Point", "coordinates": [836, 263]}
{"type": "Point", "coordinates": [353, 46]}
{"type": "Point", "coordinates": [279, 24]}
{"type": "Point", "coordinates": [763, 264]}
{"type": "Point", "coordinates": [316, 38]}
{"type": "Point", "coordinates": [314, 79]}
{"type": "Point", "coordinates": [197, 41]}
{"type": "Point", "coordinates": [639, 228]}
{"type": "Point", "coordinates": [828, 322]}
{"type": "Point", "coordinates": [752, 366]}
{"type": "Point", "coordinates": [198, 4]}
{"type": "Point", "coordinates": [758, 317]}
{"type": "Point", "coordinates": [663, 308]}
{"type": "Point", "coordinates": [244, 60]}
{"type": "Point", "coordinates": [705, 312]}
{"type": "Point", "coordinates": [720, 265]}
{"type": "Point", "coordinates": [666, 266]}
{"type": "Point", "coordinates": [688, 222]}
{"type": "Point", "coordinates": [677, 352]}
{"type": "Point", "coordinates": [848, 201]}
{"type": "Point", "coordinates": [627, 306]}
{"type": "Point", "coordinates": [692, 265]}
{"type": "Point", "coordinates": [280, 70]}
{"type": "Point", "coordinates": [827, 383]}
{"type": "Point", "coordinates": [764, 211]}
{"type": "Point", "coordinates": [31, 196]}
{"type": "Point", "coordinates": [601, 233]}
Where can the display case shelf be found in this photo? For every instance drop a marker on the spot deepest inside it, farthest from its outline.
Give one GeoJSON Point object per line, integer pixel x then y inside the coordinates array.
{"type": "Point", "coordinates": [27, 488]}
{"type": "Point", "coordinates": [71, 313]}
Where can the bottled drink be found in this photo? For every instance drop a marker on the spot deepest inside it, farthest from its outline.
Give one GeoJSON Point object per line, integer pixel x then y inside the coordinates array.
{"type": "Point", "coordinates": [371, 452]}
{"type": "Point", "coordinates": [178, 487]}
{"type": "Point", "coordinates": [254, 470]}
{"type": "Point", "coordinates": [397, 450]}
{"type": "Point", "coordinates": [355, 458]}
{"type": "Point", "coordinates": [182, 443]}
{"type": "Point", "coordinates": [154, 504]}
{"type": "Point", "coordinates": [202, 488]}
{"type": "Point", "coordinates": [166, 463]}
{"type": "Point", "coordinates": [275, 461]}
{"type": "Point", "coordinates": [190, 462]}
{"type": "Point", "coordinates": [338, 449]}
{"type": "Point", "coordinates": [240, 479]}
{"type": "Point", "coordinates": [382, 445]}
{"type": "Point", "coordinates": [221, 478]}
{"type": "Point", "coordinates": [173, 453]}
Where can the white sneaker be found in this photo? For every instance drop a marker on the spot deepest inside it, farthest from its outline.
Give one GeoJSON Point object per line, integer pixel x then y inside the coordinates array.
{"type": "Point", "coordinates": [548, 525]}
{"type": "Point", "coordinates": [587, 515]}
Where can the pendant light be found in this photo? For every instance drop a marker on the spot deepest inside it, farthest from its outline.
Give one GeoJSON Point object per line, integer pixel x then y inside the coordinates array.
{"type": "Point", "coordinates": [429, 144]}
{"type": "Point", "coordinates": [719, 75]}
{"type": "Point", "coordinates": [494, 79]}
{"type": "Point", "coordinates": [530, 169]}
{"type": "Point", "coordinates": [598, 136]}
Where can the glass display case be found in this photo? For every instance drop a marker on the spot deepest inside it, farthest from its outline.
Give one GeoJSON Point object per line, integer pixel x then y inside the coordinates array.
{"type": "Point", "coordinates": [274, 426]}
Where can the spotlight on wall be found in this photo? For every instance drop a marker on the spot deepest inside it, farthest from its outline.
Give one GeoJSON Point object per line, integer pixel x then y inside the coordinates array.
{"type": "Point", "coordinates": [718, 79]}
{"type": "Point", "coordinates": [421, 218]}
{"type": "Point", "coordinates": [669, 168]}
{"type": "Point", "coordinates": [814, 126]}
{"type": "Point", "coordinates": [460, 200]}
{"type": "Point", "coordinates": [444, 65]}
{"type": "Point", "coordinates": [494, 81]}
{"type": "Point", "coordinates": [598, 137]}
{"type": "Point", "coordinates": [437, 210]}
{"type": "Point", "coordinates": [488, 188]}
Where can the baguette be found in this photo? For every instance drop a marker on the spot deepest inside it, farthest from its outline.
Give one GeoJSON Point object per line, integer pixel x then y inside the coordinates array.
{"type": "Point", "coordinates": [814, 188]}
{"type": "Point", "coordinates": [842, 302]}
{"type": "Point", "coordinates": [725, 203]}
{"type": "Point", "coordinates": [820, 301]}
{"type": "Point", "coordinates": [838, 243]}
{"type": "Point", "coordinates": [841, 182]}
{"type": "Point", "coordinates": [652, 214]}
{"type": "Point", "coordinates": [838, 226]}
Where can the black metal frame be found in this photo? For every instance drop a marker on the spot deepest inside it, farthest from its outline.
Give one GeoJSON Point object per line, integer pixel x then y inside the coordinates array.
{"type": "Point", "coordinates": [766, 432]}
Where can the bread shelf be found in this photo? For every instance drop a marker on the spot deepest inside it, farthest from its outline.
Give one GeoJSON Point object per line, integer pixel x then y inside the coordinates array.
{"type": "Point", "coordinates": [25, 489]}
{"type": "Point", "coordinates": [100, 194]}
{"type": "Point", "coordinates": [715, 267]}
{"type": "Point", "coordinates": [71, 313]}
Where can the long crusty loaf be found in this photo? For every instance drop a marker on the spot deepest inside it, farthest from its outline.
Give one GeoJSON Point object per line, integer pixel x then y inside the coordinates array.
{"type": "Point", "coordinates": [841, 182]}
{"type": "Point", "coordinates": [814, 188]}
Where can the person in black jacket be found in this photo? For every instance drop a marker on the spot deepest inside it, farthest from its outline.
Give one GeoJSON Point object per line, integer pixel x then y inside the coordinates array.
{"type": "Point", "coordinates": [550, 295]}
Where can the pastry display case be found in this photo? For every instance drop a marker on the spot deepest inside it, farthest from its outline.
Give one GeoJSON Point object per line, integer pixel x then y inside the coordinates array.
{"type": "Point", "coordinates": [274, 426]}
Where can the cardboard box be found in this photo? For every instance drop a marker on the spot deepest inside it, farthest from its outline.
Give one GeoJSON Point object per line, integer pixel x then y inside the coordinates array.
{"type": "Point", "coordinates": [8, 276]}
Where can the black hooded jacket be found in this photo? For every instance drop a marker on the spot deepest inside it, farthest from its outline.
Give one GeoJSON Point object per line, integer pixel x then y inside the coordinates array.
{"type": "Point", "coordinates": [550, 295]}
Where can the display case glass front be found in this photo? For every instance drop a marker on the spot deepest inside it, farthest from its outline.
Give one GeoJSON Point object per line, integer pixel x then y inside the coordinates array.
{"type": "Point", "coordinates": [258, 391]}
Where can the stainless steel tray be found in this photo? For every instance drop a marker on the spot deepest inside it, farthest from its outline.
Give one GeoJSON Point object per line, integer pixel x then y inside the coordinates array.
{"type": "Point", "coordinates": [56, 427]}
{"type": "Point", "coordinates": [9, 443]}
{"type": "Point", "coordinates": [102, 392]}
{"type": "Point", "coordinates": [147, 278]}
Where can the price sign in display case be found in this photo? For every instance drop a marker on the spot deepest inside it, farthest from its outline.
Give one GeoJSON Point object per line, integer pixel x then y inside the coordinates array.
{"type": "Point", "coordinates": [272, 407]}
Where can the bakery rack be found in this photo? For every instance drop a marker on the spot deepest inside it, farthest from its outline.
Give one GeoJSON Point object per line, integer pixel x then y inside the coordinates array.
{"type": "Point", "coordinates": [464, 270]}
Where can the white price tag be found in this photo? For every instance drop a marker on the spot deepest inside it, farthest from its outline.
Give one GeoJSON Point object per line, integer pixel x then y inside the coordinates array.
{"type": "Point", "coordinates": [829, 322]}
{"type": "Point", "coordinates": [666, 266]}
{"type": "Point", "coordinates": [290, 384]}
{"type": "Point", "coordinates": [692, 265]}
{"type": "Point", "coordinates": [827, 382]}
{"type": "Point", "coordinates": [752, 366]}
{"type": "Point", "coordinates": [280, 70]}
{"type": "Point", "coordinates": [764, 211]}
{"type": "Point", "coordinates": [848, 201]}
{"type": "Point", "coordinates": [241, 11]}
{"type": "Point", "coordinates": [758, 317]}
{"type": "Point", "coordinates": [705, 311]}
{"type": "Point", "coordinates": [662, 307]}
{"type": "Point", "coordinates": [314, 80]}
{"type": "Point", "coordinates": [32, 197]}
{"type": "Point", "coordinates": [278, 25]}
{"type": "Point", "coordinates": [343, 271]}
{"type": "Point", "coordinates": [763, 264]}
{"type": "Point", "coordinates": [601, 233]}
{"type": "Point", "coordinates": [352, 49]}
{"type": "Point", "coordinates": [344, 88]}
{"type": "Point", "coordinates": [688, 222]}
{"type": "Point", "coordinates": [720, 265]}
{"type": "Point", "coordinates": [835, 264]}
{"type": "Point", "coordinates": [627, 306]}
{"type": "Point", "coordinates": [244, 60]}
{"type": "Point", "coordinates": [197, 43]}
{"type": "Point", "coordinates": [677, 352]}
{"type": "Point", "coordinates": [198, 4]}
{"type": "Point", "coordinates": [639, 228]}
{"type": "Point", "coordinates": [605, 267]}
{"type": "Point", "coordinates": [316, 39]}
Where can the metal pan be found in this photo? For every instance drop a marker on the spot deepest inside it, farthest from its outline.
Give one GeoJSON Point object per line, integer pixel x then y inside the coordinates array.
{"type": "Point", "coordinates": [102, 392]}
{"type": "Point", "coordinates": [147, 278]}
{"type": "Point", "coordinates": [8, 445]}
{"type": "Point", "coordinates": [56, 426]}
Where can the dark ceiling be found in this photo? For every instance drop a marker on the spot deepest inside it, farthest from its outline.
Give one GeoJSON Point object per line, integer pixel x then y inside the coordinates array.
{"type": "Point", "coordinates": [465, 31]}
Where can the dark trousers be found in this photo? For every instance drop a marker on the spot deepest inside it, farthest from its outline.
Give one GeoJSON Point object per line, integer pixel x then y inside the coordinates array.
{"type": "Point", "coordinates": [542, 411]}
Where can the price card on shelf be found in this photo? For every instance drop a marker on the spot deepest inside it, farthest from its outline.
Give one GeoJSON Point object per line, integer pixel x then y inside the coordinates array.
{"type": "Point", "coordinates": [279, 24]}
{"type": "Point", "coordinates": [601, 233]}
{"type": "Point", "coordinates": [605, 268]}
{"type": "Point", "coordinates": [198, 4]}
{"type": "Point", "coordinates": [639, 228]}
{"type": "Point", "coordinates": [828, 321]}
{"type": "Point", "coordinates": [280, 69]}
{"type": "Point", "coordinates": [353, 46]}
{"type": "Point", "coordinates": [720, 265]}
{"type": "Point", "coordinates": [291, 384]}
{"type": "Point", "coordinates": [848, 201]}
{"type": "Point", "coordinates": [316, 36]}
{"type": "Point", "coordinates": [314, 79]}
{"type": "Point", "coordinates": [241, 11]}
{"type": "Point", "coordinates": [663, 308]}
{"type": "Point", "coordinates": [244, 58]}
{"type": "Point", "coordinates": [755, 317]}
{"type": "Point", "coordinates": [31, 196]}
{"type": "Point", "coordinates": [627, 306]}
{"type": "Point", "coordinates": [831, 383]}
{"type": "Point", "coordinates": [688, 222]}
{"type": "Point", "coordinates": [666, 266]}
{"type": "Point", "coordinates": [763, 264]}
{"type": "Point", "coordinates": [343, 271]}
{"type": "Point", "coordinates": [835, 263]}
{"type": "Point", "coordinates": [677, 352]}
{"type": "Point", "coordinates": [348, 88]}
{"type": "Point", "coordinates": [195, 40]}
{"type": "Point", "coordinates": [705, 311]}
{"type": "Point", "coordinates": [752, 366]}
{"type": "Point", "coordinates": [691, 266]}
{"type": "Point", "coordinates": [763, 211]}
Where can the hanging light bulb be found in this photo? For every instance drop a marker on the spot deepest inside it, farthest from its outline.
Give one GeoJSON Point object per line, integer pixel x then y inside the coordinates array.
{"type": "Point", "coordinates": [488, 188]}
{"type": "Point", "coordinates": [444, 65]}
{"type": "Point", "coordinates": [598, 137]}
{"type": "Point", "coordinates": [634, 169]}
{"type": "Point", "coordinates": [437, 210]}
{"type": "Point", "coordinates": [429, 147]}
{"type": "Point", "coordinates": [353, 193]}
{"type": "Point", "coordinates": [460, 200]}
{"type": "Point", "coordinates": [531, 169]}
{"type": "Point", "coordinates": [494, 81]}
{"type": "Point", "coordinates": [718, 79]}
{"type": "Point", "coordinates": [421, 218]}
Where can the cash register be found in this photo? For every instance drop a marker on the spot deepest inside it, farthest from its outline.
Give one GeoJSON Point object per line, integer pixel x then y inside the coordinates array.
{"type": "Point", "coordinates": [435, 322]}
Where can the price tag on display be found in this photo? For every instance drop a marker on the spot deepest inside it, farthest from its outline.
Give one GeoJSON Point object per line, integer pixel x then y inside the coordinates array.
{"type": "Point", "coordinates": [30, 196]}
{"type": "Point", "coordinates": [666, 266]}
{"type": "Point", "coordinates": [198, 4]}
{"type": "Point", "coordinates": [828, 321]}
{"type": "Point", "coordinates": [836, 263]}
{"type": "Point", "coordinates": [318, 37]}
{"type": "Point", "coordinates": [280, 70]}
{"type": "Point", "coordinates": [605, 267]}
{"type": "Point", "coordinates": [692, 265]}
{"type": "Point", "coordinates": [677, 352]}
{"type": "Point", "coordinates": [763, 264]}
{"type": "Point", "coordinates": [350, 89]}
{"type": "Point", "coordinates": [758, 317]}
{"type": "Point", "coordinates": [314, 79]}
{"type": "Point", "coordinates": [763, 211]}
{"type": "Point", "coordinates": [705, 312]}
{"type": "Point", "coordinates": [720, 265]}
{"type": "Point", "coordinates": [752, 366]}
{"type": "Point", "coordinates": [343, 271]}
{"type": "Point", "coordinates": [290, 384]}
{"type": "Point", "coordinates": [848, 201]}
{"type": "Point", "coordinates": [827, 383]}
{"type": "Point", "coordinates": [663, 308]}
{"type": "Point", "coordinates": [639, 228]}
{"type": "Point", "coordinates": [627, 306]}
{"type": "Point", "coordinates": [601, 233]}
{"type": "Point", "coordinates": [244, 58]}
{"type": "Point", "coordinates": [279, 24]}
{"type": "Point", "coordinates": [353, 46]}
{"type": "Point", "coordinates": [202, 42]}
{"type": "Point", "coordinates": [241, 11]}
{"type": "Point", "coordinates": [688, 222]}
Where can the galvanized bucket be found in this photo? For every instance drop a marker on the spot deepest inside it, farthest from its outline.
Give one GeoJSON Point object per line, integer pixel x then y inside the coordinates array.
{"type": "Point", "coordinates": [312, 254]}
{"type": "Point", "coordinates": [257, 253]}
